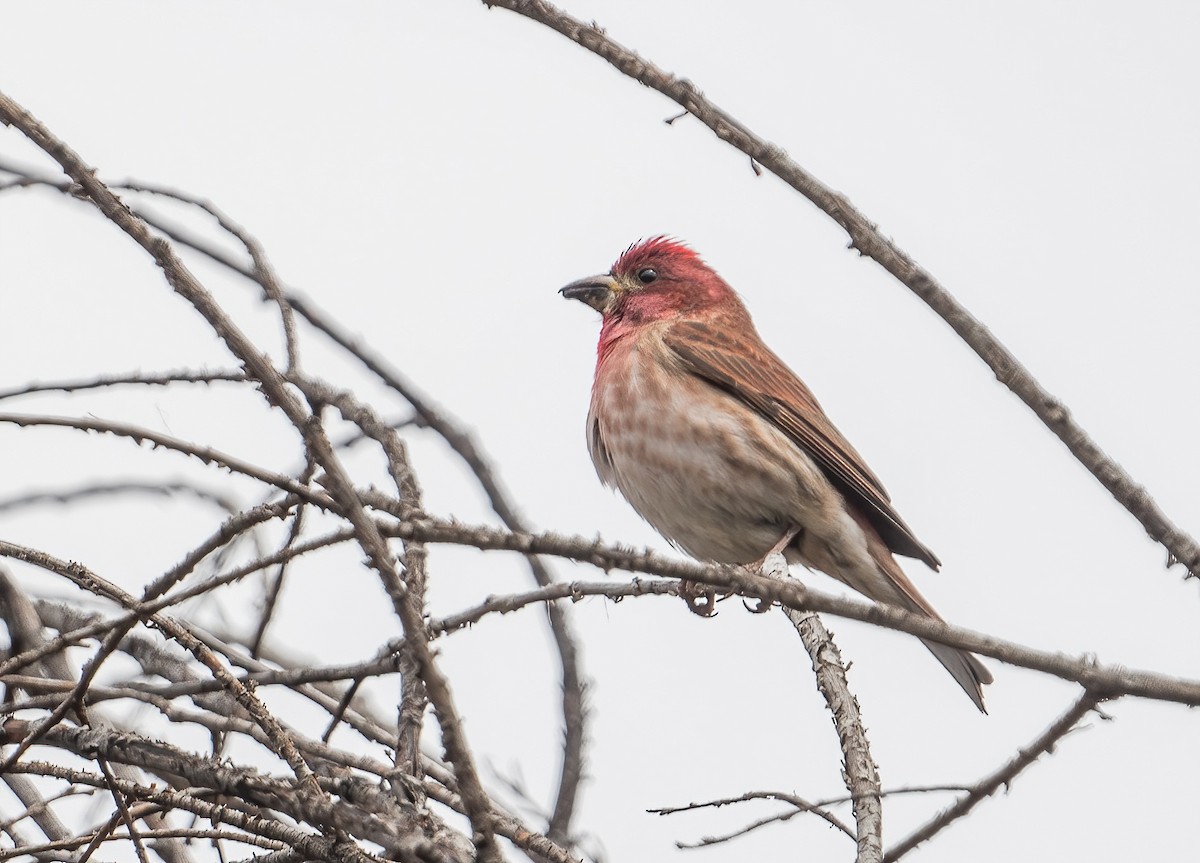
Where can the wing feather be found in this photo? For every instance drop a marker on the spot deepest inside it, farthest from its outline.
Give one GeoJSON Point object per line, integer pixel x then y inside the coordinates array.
{"type": "Point", "coordinates": [736, 360]}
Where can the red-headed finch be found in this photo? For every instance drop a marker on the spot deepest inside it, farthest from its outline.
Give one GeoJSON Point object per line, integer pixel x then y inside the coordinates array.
{"type": "Point", "coordinates": [719, 445]}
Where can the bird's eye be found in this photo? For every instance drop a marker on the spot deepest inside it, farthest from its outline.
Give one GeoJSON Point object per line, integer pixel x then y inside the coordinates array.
{"type": "Point", "coordinates": [646, 275]}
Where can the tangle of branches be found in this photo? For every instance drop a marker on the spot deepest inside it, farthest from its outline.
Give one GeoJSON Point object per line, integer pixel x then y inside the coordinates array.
{"type": "Point", "coordinates": [174, 727]}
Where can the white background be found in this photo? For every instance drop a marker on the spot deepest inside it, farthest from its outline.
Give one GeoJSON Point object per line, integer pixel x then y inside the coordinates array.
{"type": "Point", "coordinates": [431, 173]}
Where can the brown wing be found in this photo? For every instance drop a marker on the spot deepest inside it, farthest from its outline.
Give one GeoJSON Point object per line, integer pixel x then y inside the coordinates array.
{"type": "Point", "coordinates": [743, 366]}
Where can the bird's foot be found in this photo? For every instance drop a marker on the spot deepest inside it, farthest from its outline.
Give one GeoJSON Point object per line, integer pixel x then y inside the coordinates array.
{"type": "Point", "coordinates": [761, 606]}
{"type": "Point", "coordinates": [700, 598]}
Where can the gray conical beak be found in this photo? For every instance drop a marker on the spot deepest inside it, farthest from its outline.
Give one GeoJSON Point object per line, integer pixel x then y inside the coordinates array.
{"type": "Point", "coordinates": [596, 291]}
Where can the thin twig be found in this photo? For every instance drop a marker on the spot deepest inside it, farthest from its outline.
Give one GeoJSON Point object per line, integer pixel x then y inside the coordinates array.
{"type": "Point", "coordinates": [799, 805]}
{"type": "Point", "coordinates": [122, 809]}
{"type": "Point", "coordinates": [343, 705]}
{"type": "Point", "coordinates": [132, 378]}
{"type": "Point", "coordinates": [264, 272]}
{"type": "Point", "coordinates": [275, 585]}
{"type": "Point", "coordinates": [207, 455]}
{"type": "Point", "coordinates": [166, 833]}
{"type": "Point", "coordinates": [106, 490]}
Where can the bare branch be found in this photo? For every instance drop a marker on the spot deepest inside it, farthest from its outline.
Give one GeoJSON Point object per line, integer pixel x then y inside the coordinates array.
{"type": "Point", "coordinates": [264, 272]}
{"type": "Point", "coordinates": [1045, 742]}
{"type": "Point", "coordinates": [135, 378]}
{"type": "Point", "coordinates": [573, 590]}
{"type": "Point", "coordinates": [1106, 681]}
{"type": "Point", "coordinates": [207, 455]}
{"type": "Point", "coordinates": [70, 844]}
{"type": "Point", "coordinates": [799, 805]}
{"type": "Point", "coordinates": [858, 767]}
{"type": "Point", "coordinates": [122, 810]}
{"type": "Point", "coordinates": [109, 489]}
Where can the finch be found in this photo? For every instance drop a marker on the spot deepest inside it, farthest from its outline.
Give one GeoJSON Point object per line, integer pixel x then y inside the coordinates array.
{"type": "Point", "coordinates": [724, 450]}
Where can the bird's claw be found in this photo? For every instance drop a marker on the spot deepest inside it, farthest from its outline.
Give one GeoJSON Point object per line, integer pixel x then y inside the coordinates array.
{"type": "Point", "coordinates": [761, 606]}
{"type": "Point", "coordinates": [700, 599]}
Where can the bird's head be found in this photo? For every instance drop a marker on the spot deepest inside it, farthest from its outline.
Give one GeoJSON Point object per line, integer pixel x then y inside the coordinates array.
{"type": "Point", "coordinates": [653, 280]}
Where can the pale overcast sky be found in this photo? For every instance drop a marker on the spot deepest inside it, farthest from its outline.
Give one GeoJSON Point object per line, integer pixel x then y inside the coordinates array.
{"type": "Point", "coordinates": [431, 172]}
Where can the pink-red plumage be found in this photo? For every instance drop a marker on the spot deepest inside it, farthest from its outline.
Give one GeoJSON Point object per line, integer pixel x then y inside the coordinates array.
{"type": "Point", "coordinates": [718, 444]}
{"type": "Point", "coordinates": [648, 252]}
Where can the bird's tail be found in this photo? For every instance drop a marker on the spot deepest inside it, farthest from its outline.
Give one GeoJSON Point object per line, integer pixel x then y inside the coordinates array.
{"type": "Point", "coordinates": [964, 667]}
